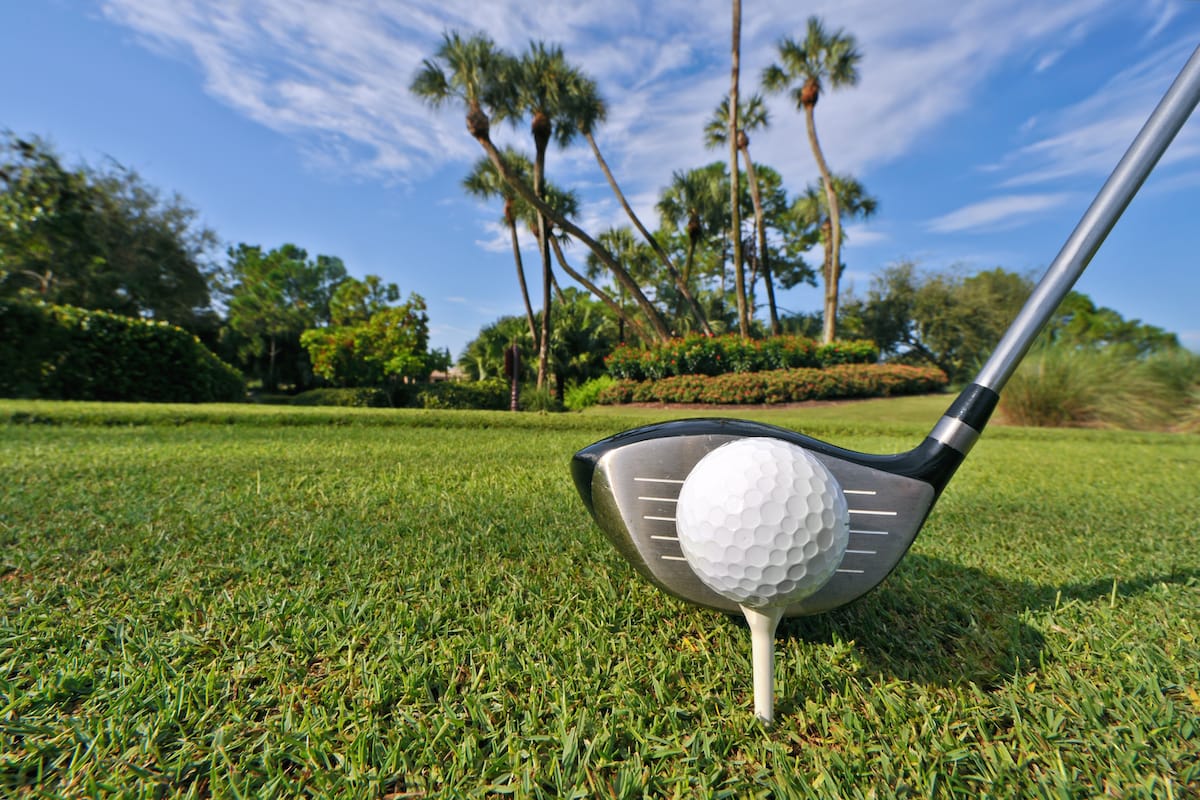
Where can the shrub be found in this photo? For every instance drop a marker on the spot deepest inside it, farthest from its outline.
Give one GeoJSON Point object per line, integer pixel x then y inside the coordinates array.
{"type": "Point", "coordinates": [68, 353]}
{"type": "Point", "coordinates": [779, 386]}
{"type": "Point", "coordinates": [344, 398]}
{"type": "Point", "coordinates": [587, 394]}
{"type": "Point", "coordinates": [490, 395]}
{"type": "Point", "coordinates": [719, 355]}
{"type": "Point", "coordinates": [540, 400]}
{"type": "Point", "coordinates": [1061, 385]}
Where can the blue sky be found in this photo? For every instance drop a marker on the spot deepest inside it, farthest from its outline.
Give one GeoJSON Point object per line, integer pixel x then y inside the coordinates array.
{"type": "Point", "coordinates": [983, 128]}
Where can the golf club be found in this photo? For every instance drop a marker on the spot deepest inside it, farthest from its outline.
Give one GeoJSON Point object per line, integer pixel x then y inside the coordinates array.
{"type": "Point", "coordinates": [631, 482]}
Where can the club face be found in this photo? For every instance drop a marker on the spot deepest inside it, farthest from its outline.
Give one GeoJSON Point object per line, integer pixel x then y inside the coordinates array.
{"type": "Point", "coordinates": [631, 484]}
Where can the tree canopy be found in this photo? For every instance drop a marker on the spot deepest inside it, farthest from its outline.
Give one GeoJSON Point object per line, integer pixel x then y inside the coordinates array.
{"type": "Point", "coordinates": [100, 238]}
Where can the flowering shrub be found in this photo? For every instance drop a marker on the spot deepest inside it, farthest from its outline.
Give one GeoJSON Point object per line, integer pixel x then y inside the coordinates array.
{"type": "Point", "coordinates": [719, 355]}
{"type": "Point", "coordinates": [780, 386]}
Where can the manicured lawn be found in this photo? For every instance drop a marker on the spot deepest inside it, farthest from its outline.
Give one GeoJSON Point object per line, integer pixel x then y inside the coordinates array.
{"type": "Point", "coordinates": [240, 601]}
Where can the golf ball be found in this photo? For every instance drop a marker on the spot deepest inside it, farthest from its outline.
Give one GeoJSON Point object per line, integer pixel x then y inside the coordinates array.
{"type": "Point", "coordinates": [762, 522]}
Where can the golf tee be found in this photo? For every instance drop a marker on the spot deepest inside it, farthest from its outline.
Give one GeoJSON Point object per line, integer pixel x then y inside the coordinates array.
{"type": "Point", "coordinates": [763, 622]}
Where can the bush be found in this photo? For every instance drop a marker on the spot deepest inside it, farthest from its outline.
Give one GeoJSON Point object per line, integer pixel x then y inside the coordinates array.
{"type": "Point", "coordinates": [491, 395]}
{"type": "Point", "coordinates": [779, 386]}
{"type": "Point", "coordinates": [585, 395]}
{"type": "Point", "coordinates": [1062, 385]}
{"type": "Point", "coordinates": [68, 353]}
{"type": "Point", "coordinates": [343, 398]}
{"type": "Point", "coordinates": [539, 400]}
{"type": "Point", "coordinates": [719, 355]}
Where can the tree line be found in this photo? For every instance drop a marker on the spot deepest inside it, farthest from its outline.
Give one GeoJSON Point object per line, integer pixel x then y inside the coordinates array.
{"type": "Point", "coordinates": [101, 238]}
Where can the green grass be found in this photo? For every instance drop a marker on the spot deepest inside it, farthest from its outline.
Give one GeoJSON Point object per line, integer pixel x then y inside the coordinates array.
{"type": "Point", "coordinates": [238, 601]}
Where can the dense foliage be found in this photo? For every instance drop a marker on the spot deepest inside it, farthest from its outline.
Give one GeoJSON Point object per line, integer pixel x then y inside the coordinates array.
{"type": "Point", "coordinates": [383, 349]}
{"type": "Point", "coordinates": [779, 386]}
{"type": "Point", "coordinates": [954, 320]}
{"type": "Point", "coordinates": [1062, 384]}
{"type": "Point", "coordinates": [274, 296]}
{"type": "Point", "coordinates": [100, 238]}
{"type": "Point", "coordinates": [717, 355]}
{"type": "Point", "coordinates": [68, 353]}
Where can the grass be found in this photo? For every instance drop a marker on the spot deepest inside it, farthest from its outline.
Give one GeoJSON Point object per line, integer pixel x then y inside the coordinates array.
{"type": "Point", "coordinates": [238, 601]}
{"type": "Point", "coordinates": [1060, 385]}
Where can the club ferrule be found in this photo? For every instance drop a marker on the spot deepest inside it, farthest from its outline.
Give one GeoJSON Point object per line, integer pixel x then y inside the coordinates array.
{"type": "Point", "coordinates": [954, 433]}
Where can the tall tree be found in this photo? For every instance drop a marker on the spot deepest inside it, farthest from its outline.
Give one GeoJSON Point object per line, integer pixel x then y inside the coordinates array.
{"type": "Point", "coordinates": [811, 210]}
{"type": "Point", "coordinates": [634, 254]}
{"type": "Point", "coordinates": [590, 111]}
{"type": "Point", "coordinates": [274, 296]}
{"type": "Point", "coordinates": [751, 116]}
{"type": "Point", "coordinates": [805, 69]}
{"type": "Point", "coordinates": [477, 73]}
{"type": "Point", "coordinates": [694, 202]}
{"type": "Point", "coordinates": [485, 181]}
{"type": "Point", "coordinates": [100, 238]}
{"type": "Point", "coordinates": [542, 90]}
{"type": "Point", "coordinates": [739, 266]}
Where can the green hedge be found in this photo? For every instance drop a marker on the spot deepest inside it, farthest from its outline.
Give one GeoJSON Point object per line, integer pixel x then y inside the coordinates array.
{"type": "Point", "coordinates": [488, 395]}
{"type": "Point", "coordinates": [341, 398]}
{"type": "Point", "coordinates": [780, 386]}
{"type": "Point", "coordinates": [720, 355]}
{"type": "Point", "coordinates": [67, 353]}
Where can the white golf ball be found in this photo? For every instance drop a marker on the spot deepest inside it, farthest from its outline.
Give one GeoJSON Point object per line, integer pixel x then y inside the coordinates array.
{"type": "Point", "coordinates": [762, 522]}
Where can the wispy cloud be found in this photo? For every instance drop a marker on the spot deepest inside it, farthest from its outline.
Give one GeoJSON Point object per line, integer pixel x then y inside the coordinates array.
{"type": "Point", "coordinates": [862, 235]}
{"type": "Point", "coordinates": [1087, 138]}
{"type": "Point", "coordinates": [996, 213]}
{"type": "Point", "coordinates": [336, 75]}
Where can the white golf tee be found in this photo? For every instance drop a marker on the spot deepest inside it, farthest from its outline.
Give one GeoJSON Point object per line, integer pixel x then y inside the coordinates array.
{"type": "Point", "coordinates": [763, 622]}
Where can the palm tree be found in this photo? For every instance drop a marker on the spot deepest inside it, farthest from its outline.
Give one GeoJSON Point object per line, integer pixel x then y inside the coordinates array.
{"type": "Point", "coordinates": [805, 68]}
{"type": "Point", "coordinates": [543, 87]}
{"type": "Point", "coordinates": [484, 181]}
{"type": "Point", "coordinates": [739, 269]}
{"type": "Point", "coordinates": [811, 211]}
{"type": "Point", "coordinates": [616, 306]}
{"type": "Point", "coordinates": [632, 253]}
{"type": "Point", "coordinates": [751, 116]}
{"type": "Point", "coordinates": [590, 111]}
{"type": "Point", "coordinates": [694, 203]}
{"type": "Point", "coordinates": [475, 72]}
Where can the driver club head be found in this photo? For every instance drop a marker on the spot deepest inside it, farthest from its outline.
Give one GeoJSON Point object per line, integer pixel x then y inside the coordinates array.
{"type": "Point", "coordinates": [631, 482]}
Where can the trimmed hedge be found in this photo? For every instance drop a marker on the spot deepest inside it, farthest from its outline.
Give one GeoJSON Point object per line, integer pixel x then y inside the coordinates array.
{"type": "Point", "coordinates": [68, 353]}
{"type": "Point", "coordinates": [341, 398]}
{"type": "Point", "coordinates": [780, 386]}
{"type": "Point", "coordinates": [720, 355]}
{"type": "Point", "coordinates": [489, 395]}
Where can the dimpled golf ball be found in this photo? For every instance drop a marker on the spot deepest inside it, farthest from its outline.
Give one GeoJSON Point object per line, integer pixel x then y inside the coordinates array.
{"type": "Point", "coordinates": [762, 522]}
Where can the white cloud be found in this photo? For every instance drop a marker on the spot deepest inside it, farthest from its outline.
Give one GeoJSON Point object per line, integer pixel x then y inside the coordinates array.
{"type": "Point", "coordinates": [1089, 137]}
{"type": "Point", "coordinates": [338, 74]}
{"type": "Point", "coordinates": [863, 235]}
{"type": "Point", "coordinates": [1007, 210]}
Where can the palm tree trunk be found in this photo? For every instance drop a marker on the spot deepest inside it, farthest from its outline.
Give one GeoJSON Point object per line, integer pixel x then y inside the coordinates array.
{"type": "Point", "coordinates": [512, 230]}
{"type": "Point", "coordinates": [539, 172]}
{"type": "Point", "coordinates": [620, 273]}
{"type": "Point", "coordinates": [833, 247]}
{"type": "Point", "coordinates": [680, 280]}
{"type": "Point", "coordinates": [600, 294]}
{"type": "Point", "coordinates": [739, 269]}
{"type": "Point", "coordinates": [756, 196]}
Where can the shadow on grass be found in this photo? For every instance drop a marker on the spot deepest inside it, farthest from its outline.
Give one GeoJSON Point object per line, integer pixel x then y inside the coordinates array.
{"type": "Point", "coordinates": [937, 622]}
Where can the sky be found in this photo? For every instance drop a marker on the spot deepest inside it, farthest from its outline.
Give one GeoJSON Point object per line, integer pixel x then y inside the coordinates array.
{"type": "Point", "coordinates": [984, 129]}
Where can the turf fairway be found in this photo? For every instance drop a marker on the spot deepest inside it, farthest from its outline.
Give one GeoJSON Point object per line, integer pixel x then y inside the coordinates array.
{"type": "Point", "coordinates": [242, 602]}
